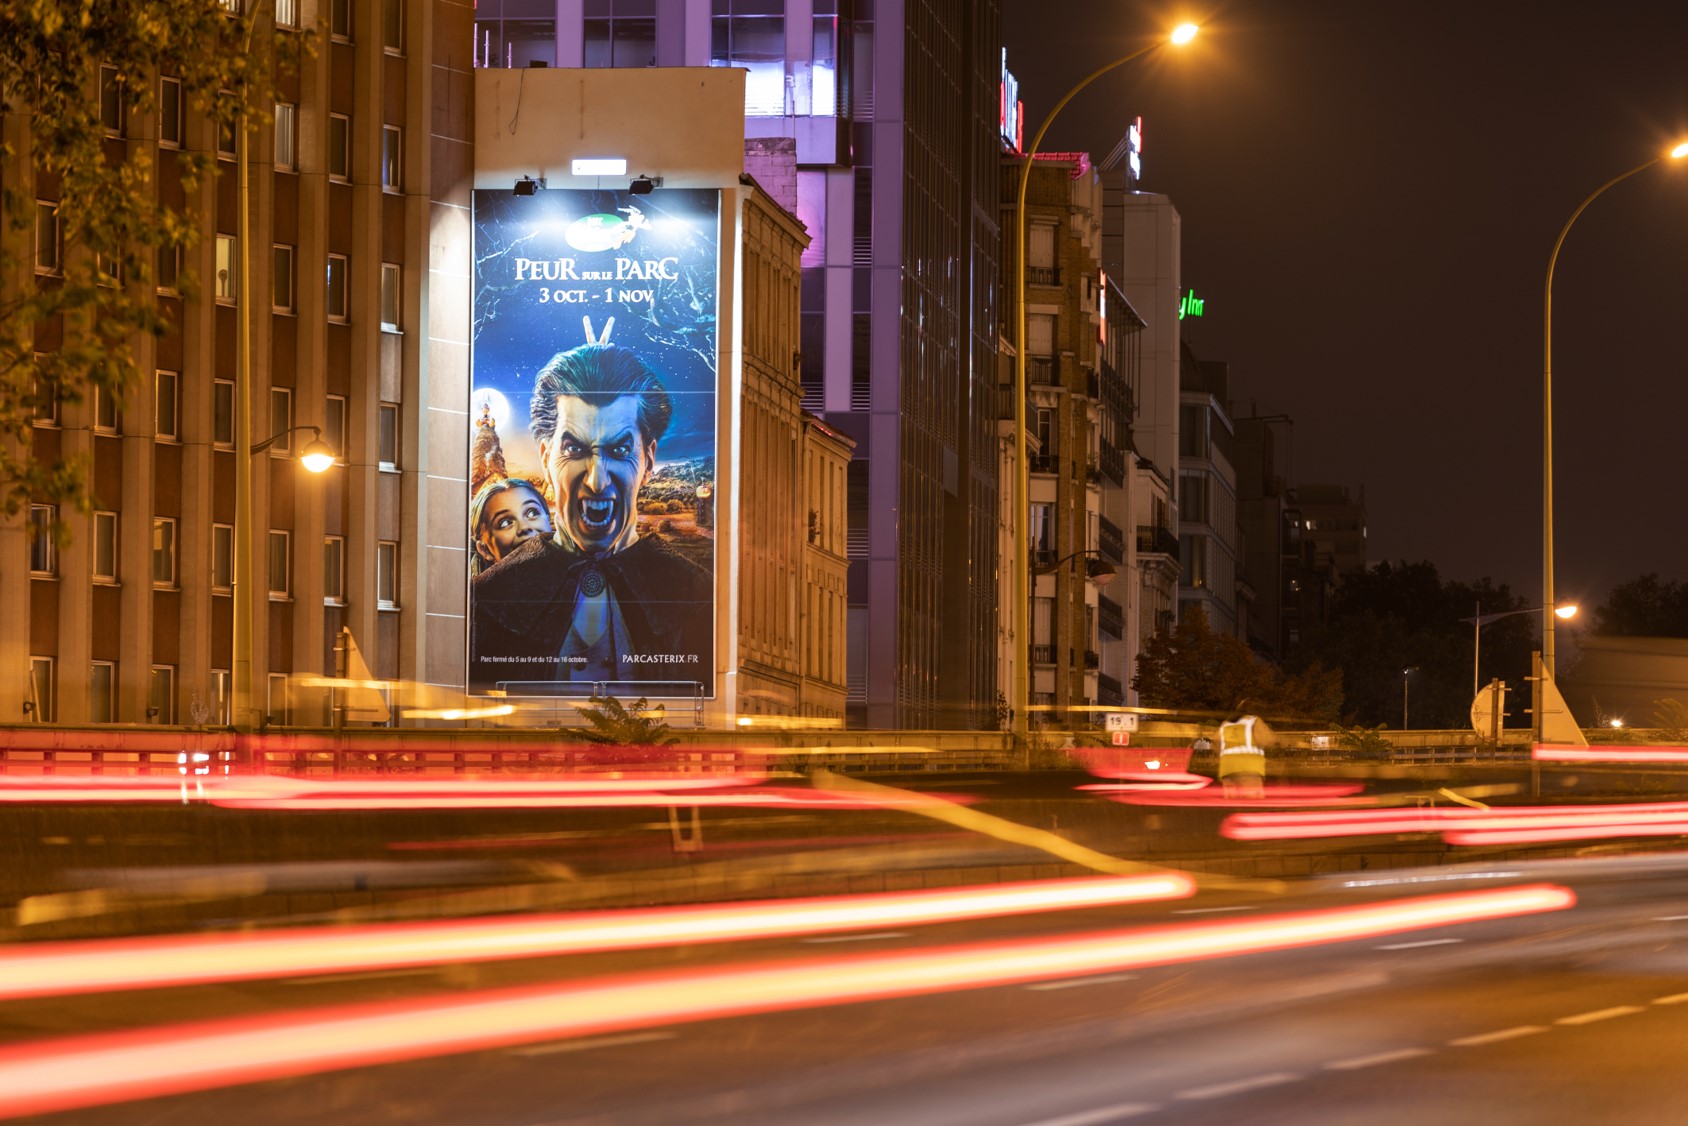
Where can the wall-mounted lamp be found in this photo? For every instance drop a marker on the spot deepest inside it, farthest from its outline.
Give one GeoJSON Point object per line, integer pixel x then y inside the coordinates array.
{"type": "Point", "coordinates": [527, 185]}
{"type": "Point", "coordinates": [644, 185]}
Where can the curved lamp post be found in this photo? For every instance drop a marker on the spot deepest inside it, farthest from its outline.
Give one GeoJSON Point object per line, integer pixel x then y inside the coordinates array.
{"type": "Point", "coordinates": [1676, 153]}
{"type": "Point", "coordinates": [1568, 611]}
{"type": "Point", "coordinates": [1022, 487]}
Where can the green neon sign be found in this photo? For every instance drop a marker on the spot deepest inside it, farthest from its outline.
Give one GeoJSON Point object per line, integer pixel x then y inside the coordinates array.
{"type": "Point", "coordinates": [1191, 305]}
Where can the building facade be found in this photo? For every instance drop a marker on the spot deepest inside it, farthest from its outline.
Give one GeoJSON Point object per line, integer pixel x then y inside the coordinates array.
{"type": "Point", "coordinates": [877, 124]}
{"type": "Point", "coordinates": [337, 301]}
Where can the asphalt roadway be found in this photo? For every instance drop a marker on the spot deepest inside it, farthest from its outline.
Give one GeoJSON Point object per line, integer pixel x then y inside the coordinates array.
{"type": "Point", "coordinates": [1567, 1016]}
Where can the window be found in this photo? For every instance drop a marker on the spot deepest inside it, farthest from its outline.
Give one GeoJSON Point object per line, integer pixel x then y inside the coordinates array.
{"type": "Point", "coordinates": [164, 551]}
{"type": "Point", "coordinates": [170, 113]}
{"type": "Point", "coordinates": [387, 436]}
{"type": "Point", "coordinates": [334, 570]}
{"type": "Point", "coordinates": [222, 558]}
{"type": "Point", "coordinates": [623, 35]}
{"type": "Point", "coordinates": [1040, 534]}
{"type": "Point", "coordinates": [392, 25]}
{"type": "Point", "coordinates": [111, 101]}
{"type": "Point", "coordinates": [340, 19]}
{"type": "Point", "coordinates": [286, 128]}
{"type": "Point", "coordinates": [1192, 497]}
{"type": "Point", "coordinates": [169, 268]}
{"type": "Point", "coordinates": [281, 421]}
{"type": "Point", "coordinates": [44, 393]}
{"type": "Point", "coordinates": [387, 575]}
{"type": "Point", "coordinates": [165, 401]}
{"type": "Point", "coordinates": [275, 708]}
{"type": "Point", "coordinates": [228, 270]}
{"type": "Point", "coordinates": [108, 270]}
{"type": "Point", "coordinates": [1192, 430]}
{"type": "Point", "coordinates": [1040, 255]}
{"type": "Point", "coordinates": [228, 139]}
{"type": "Point", "coordinates": [48, 238]}
{"type": "Point", "coordinates": [222, 413]}
{"type": "Point", "coordinates": [1040, 334]}
{"type": "Point", "coordinates": [334, 426]}
{"type": "Point", "coordinates": [339, 147]}
{"type": "Point", "coordinates": [287, 13]}
{"type": "Point", "coordinates": [281, 564]}
{"type": "Point", "coordinates": [43, 690]}
{"type": "Point", "coordinates": [1193, 558]}
{"type": "Point", "coordinates": [232, 7]}
{"type": "Point", "coordinates": [106, 419]}
{"type": "Point", "coordinates": [390, 278]}
{"type": "Point", "coordinates": [102, 692]}
{"type": "Point", "coordinates": [337, 270]}
{"type": "Point", "coordinates": [161, 694]}
{"type": "Point", "coordinates": [43, 549]}
{"type": "Point", "coordinates": [222, 694]}
{"type": "Point", "coordinates": [105, 547]}
{"type": "Point", "coordinates": [392, 157]}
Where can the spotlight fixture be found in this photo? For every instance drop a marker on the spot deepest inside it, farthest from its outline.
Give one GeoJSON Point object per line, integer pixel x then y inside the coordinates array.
{"type": "Point", "coordinates": [527, 185]}
{"type": "Point", "coordinates": [644, 185]}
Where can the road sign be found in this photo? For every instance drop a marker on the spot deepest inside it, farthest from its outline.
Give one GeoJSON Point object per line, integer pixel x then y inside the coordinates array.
{"type": "Point", "coordinates": [1121, 721]}
{"type": "Point", "coordinates": [1122, 738]}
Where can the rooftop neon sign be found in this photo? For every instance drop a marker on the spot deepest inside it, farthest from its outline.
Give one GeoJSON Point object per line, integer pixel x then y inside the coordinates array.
{"type": "Point", "coordinates": [1190, 305]}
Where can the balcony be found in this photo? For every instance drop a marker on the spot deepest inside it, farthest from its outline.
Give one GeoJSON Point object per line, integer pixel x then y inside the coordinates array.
{"type": "Point", "coordinates": [1040, 369]}
{"type": "Point", "coordinates": [1044, 463]}
{"type": "Point", "coordinates": [1110, 618]}
{"type": "Point", "coordinates": [1043, 275]}
{"type": "Point", "coordinates": [1110, 541]}
{"type": "Point", "coordinates": [1043, 654]}
{"type": "Point", "coordinates": [1156, 541]}
{"type": "Point", "coordinates": [1092, 659]}
{"type": "Point", "coordinates": [1108, 692]}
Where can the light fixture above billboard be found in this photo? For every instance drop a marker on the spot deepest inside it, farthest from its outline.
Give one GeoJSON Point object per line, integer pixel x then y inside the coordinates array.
{"type": "Point", "coordinates": [600, 166]}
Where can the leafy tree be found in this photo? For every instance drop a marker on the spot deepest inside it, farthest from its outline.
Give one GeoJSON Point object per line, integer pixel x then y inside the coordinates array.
{"type": "Point", "coordinates": [639, 725]}
{"type": "Point", "coordinates": [67, 70]}
{"type": "Point", "coordinates": [1193, 668]}
{"type": "Point", "coordinates": [1644, 607]}
{"type": "Point", "coordinates": [1396, 616]}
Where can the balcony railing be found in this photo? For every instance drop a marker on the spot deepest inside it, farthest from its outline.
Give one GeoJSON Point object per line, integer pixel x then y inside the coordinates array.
{"type": "Point", "coordinates": [1040, 369]}
{"type": "Point", "coordinates": [1092, 659]}
{"type": "Point", "coordinates": [1043, 654]}
{"type": "Point", "coordinates": [1043, 275]}
{"type": "Point", "coordinates": [1110, 619]}
{"type": "Point", "coordinates": [1110, 541]}
{"type": "Point", "coordinates": [1108, 692]}
{"type": "Point", "coordinates": [1156, 541]}
{"type": "Point", "coordinates": [1044, 463]}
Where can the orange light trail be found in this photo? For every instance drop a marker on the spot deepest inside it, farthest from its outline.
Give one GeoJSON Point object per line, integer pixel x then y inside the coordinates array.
{"type": "Point", "coordinates": [1597, 820]}
{"type": "Point", "coordinates": [54, 969]}
{"type": "Point", "coordinates": [1549, 753]}
{"type": "Point", "coordinates": [77, 1072]}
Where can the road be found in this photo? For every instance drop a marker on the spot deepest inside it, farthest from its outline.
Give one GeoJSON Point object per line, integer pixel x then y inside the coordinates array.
{"type": "Point", "coordinates": [1565, 1016]}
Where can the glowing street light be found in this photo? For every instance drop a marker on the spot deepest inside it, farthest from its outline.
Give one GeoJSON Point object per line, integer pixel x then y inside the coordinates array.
{"type": "Point", "coordinates": [1677, 153]}
{"type": "Point", "coordinates": [1022, 486]}
{"type": "Point", "coordinates": [1566, 611]}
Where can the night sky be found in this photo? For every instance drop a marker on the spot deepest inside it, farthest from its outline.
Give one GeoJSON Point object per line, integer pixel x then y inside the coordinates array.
{"type": "Point", "coordinates": [1370, 191]}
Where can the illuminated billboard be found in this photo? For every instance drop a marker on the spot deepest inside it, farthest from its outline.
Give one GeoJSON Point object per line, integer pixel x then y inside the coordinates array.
{"type": "Point", "coordinates": [590, 530]}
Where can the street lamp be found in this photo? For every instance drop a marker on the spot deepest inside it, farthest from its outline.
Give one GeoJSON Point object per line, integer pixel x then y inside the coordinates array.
{"type": "Point", "coordinates": [1096, 569]}
{"type": "Point", "coordinates": [1022, 486]}
{"type": "Point", "coordinates": [1406, 679]}
{"type": "Point", "coordinates": [1567, 611]}
{"type": "Point", "coordinates": [1676, 153]}
{"type": "Point", "coordinates": [316, 457]}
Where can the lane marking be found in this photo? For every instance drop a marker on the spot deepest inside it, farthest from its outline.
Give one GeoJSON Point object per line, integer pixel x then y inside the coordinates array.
{"type": "Point", "coordinates": [1673, 999]}
{"type": "Point", "coordinates": [874, 937]}
{"type": "Point", "coordinates": [1099, 1115]}
{"type": "Point", "coordinates": [1077, 982]}
{"type": "Point", "coordinates": [1496, 1037]}
{"type": "Point", "coordinates": [1396, 1056]}
{"type": "Point", "coordinates": [1416, 945]}
{"type": "Point", "coordinates": [1601, 1014]}
{"type": "Point", "coordinates": [1211, 910]}
{"type": "Point", "coordinates": [587, 1045]}
{"type": "Point", "coordinates": [1238, 1086]}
